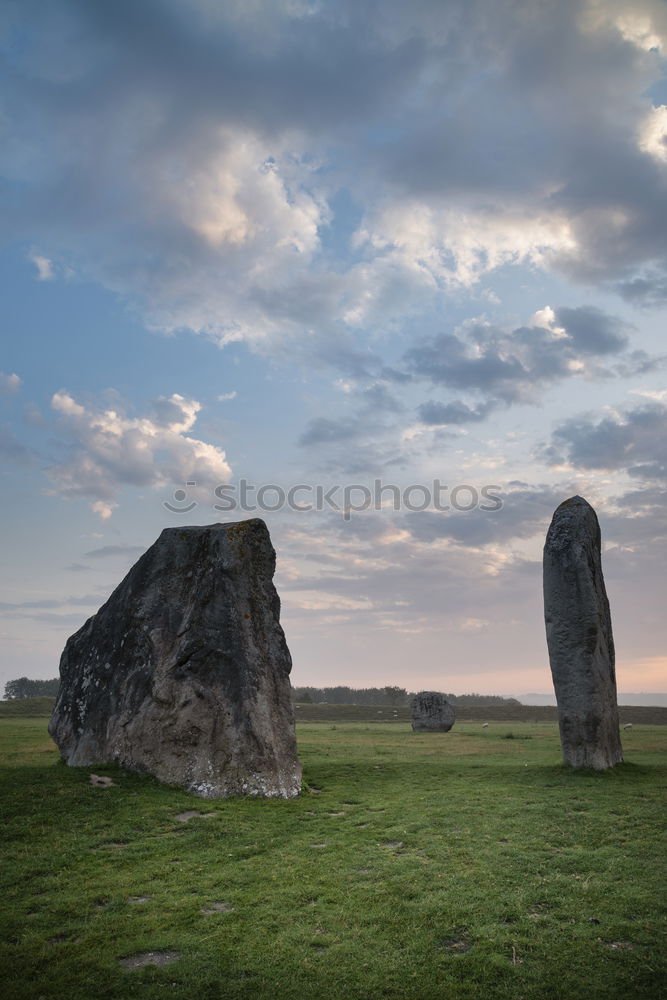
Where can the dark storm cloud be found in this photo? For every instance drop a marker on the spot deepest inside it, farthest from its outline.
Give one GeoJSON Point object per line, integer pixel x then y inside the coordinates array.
{"type": "Point", "coordinates": [377, 397]}
{"type": "Point", "coordinates": [616, 198]}
{"type": "Point", "coordinates": [113, 89]}
{"type": "Point", "coordinates": [505, 109]}
{"type": "Point", "coordinates": [456, 412]}
{"type": "Point", "coordinates": [591, 330]}
{"type": "Point", "coordinates": [638, 363]}
{"type": "Point", "coordinates": [635, 441]}
{"type": "Point", "coordinates": [348, 449]}
{"type": "Point", "coordinates": [639, 519]}
{"type": "Point", "coordinates": [346, 359]}
{"type": "Point", "coordinates": [415, 583]}
{"type": "Point", "coordinates": [525, 512]}
{"type": "Point", "coordinates": [503, 367]}
{"type": "Point", "coordinates": [552, 122]}
{"type": "Point", "coordinates": [646, 289]}
{"type": "Point", "coordinates": [357, 440]}
{"type": "Point", "coordinates": [410, 579]}
{"type": "Point", "coordinates": [511, 365]}
{"type": "Point", "coordinates": [274, 69]}
{"type": "Point", "coordinates": [321, 430]}
{"type": "Point", "coordinates": [448, 360]}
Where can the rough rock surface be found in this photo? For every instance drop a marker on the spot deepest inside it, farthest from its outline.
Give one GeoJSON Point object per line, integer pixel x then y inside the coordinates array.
{"type": "Point", "coordinates": [184, 672]}
{"type": "Point", "coordinates": [431, 712]}
{"type": "Point", "coordinates": [579, 637]}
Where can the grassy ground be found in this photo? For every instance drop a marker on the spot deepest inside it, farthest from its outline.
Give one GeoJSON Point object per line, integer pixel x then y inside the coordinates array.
{"type": "Point", "coordinates": [27, 707]}
{"type": "Point", "coordinates": [647, 715]}
{"type": "Point", "coordinates": [459, 865]}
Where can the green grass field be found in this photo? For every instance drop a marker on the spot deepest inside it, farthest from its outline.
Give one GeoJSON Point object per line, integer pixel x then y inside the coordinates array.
{"type": "Point", "coordinates": [323, 712]}
{"type": "Point", "coordinates": [458, 865]}
{"type": "Point", "coordinates": [27, 707]}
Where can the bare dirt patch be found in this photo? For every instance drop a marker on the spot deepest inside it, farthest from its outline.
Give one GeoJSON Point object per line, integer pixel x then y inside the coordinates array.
{"type": "Point", "coordinates": [189, 814]}
{"type": "Point", "coordinates": [457, 945]}
{"type": "Point", "coordinates": [219, 907]}
{"type": "Point", "coordinates": [144, 958]}
{"type": "Point", "coordinates": [99, 781]}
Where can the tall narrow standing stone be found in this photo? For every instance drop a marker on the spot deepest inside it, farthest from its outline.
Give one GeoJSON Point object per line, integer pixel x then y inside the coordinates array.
{"type": "Point", "coordinates": [184, 672]}
{"type": "Point", "coordinates": [579, 637]}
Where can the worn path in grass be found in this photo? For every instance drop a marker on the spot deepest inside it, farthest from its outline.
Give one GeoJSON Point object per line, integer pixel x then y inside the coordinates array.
{"type": "Point", "coordinates": [467, 864]}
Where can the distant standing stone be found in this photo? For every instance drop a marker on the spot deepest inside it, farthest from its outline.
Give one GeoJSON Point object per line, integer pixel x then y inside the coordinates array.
{"type": "Point", "coordinates": [579, 637]}
{"type": "Point", "coordinates": [431, 712]}
{"type": "Point", "coordinates": [184, 672]}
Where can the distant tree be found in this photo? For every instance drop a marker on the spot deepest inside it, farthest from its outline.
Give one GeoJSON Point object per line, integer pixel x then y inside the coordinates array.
{"type": "Point", "coordinates": [482, 699]}
{"type": "Point", "coordinates": [339, 695]}
{"type": "Point", "coordinates": [24, 687]}
{"type": "Point", "coordinates": [16, 689]}
{"type": "Point", "coordinates": [395, 695]}
{"type": "Point", "coordinates": [303, 696]}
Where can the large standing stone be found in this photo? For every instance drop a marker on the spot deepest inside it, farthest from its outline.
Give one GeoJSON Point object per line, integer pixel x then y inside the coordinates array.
{"type": "Point", "coordinates": [431, 712]}
{"type": "Point", "coordinates": [579, 637]}
{"type": "Point", "coordinates": [184, 672]}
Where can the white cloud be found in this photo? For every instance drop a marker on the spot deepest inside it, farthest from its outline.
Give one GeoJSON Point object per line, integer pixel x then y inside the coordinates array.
{"type": "Point", "coordinates": [45, 269]}
{"type": "Point", "coordinates": [653, 133]}
{"type": "Point", "coordinates": [544, 318]}
{"type": "Point", "coordinates": [9, 384]}
{"type": "Point", "coordinates": [104, 510]}
{"type": "Point", "coordinates": [659, 395]}
{"type": "Point", "coordinates": [227, 395]}
{"type": "Point", "coordinates": [642, 22]}
{"type": "Point", "coordinates": [62, 402]}
{"type": "Point", "coordinates": [243, 194]}
{"type": "Point", "coordinates": [107, 449]}
{"type": "Point", "coordinates": [443, 246]}
{"type": "Point", "coordinates": [237, 222]}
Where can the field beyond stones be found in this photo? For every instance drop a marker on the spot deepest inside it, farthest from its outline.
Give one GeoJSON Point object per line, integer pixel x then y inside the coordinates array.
{"type": "Point", "coordinates": [461, 865]}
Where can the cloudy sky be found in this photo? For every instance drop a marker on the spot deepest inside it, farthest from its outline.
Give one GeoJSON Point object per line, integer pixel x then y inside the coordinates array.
{"type": "Point", "coordinates": [324, 243]}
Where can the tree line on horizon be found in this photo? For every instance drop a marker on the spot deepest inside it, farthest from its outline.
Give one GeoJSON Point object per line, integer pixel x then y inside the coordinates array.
{"type": "Point", "coordinates": [24, 687]}
{"type": "Point", "coordinates": [388, 696]}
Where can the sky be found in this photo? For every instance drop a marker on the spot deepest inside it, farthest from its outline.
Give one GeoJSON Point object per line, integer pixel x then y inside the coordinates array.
{"type": "Point", "coordinates": [333, 245]}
